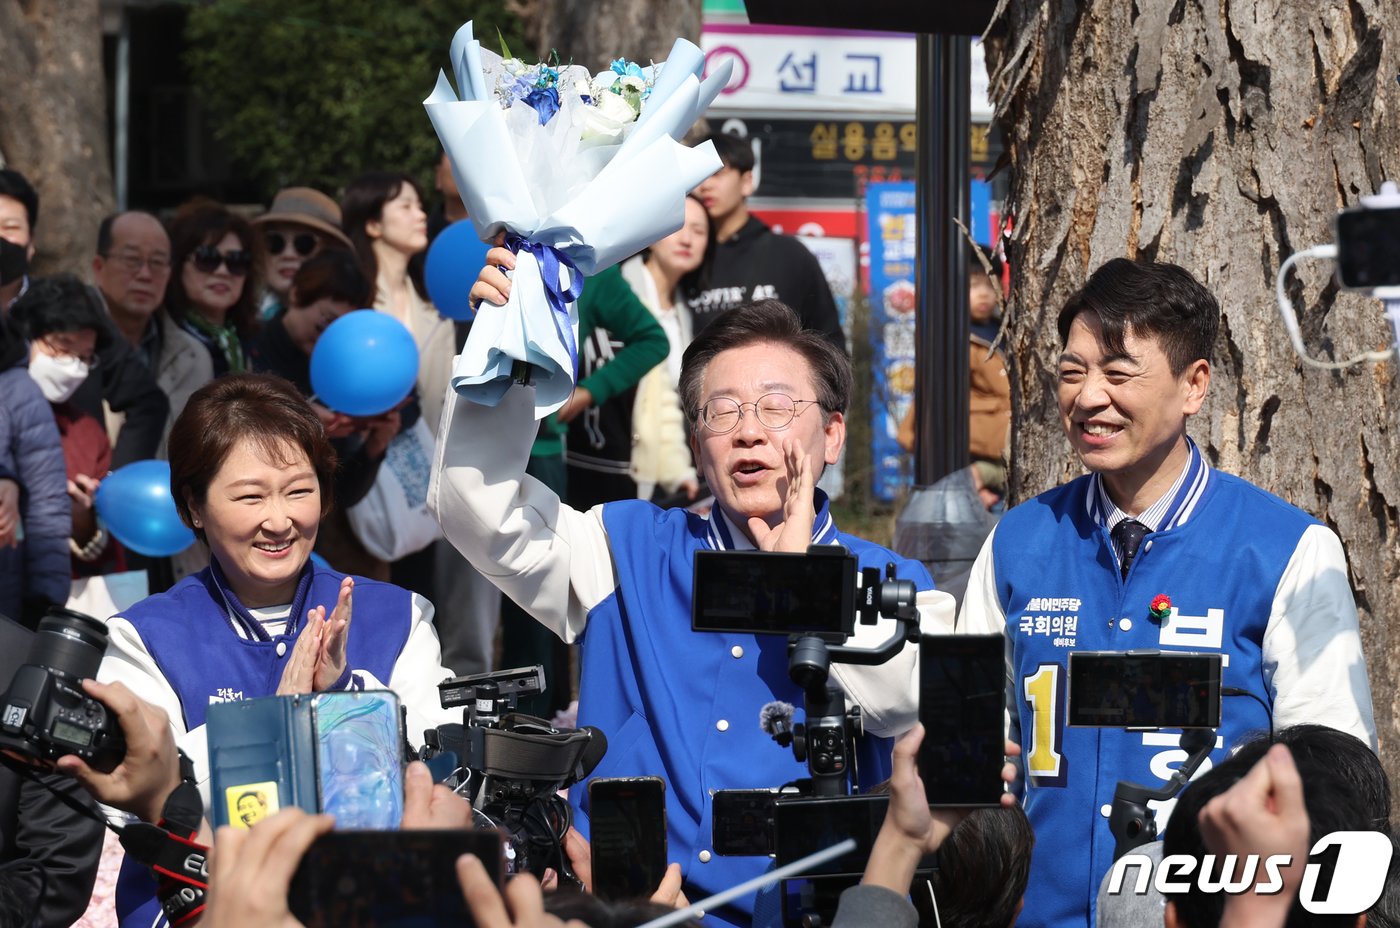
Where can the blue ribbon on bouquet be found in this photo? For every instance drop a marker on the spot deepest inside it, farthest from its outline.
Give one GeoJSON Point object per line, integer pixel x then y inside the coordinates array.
{"type": "Point", "coordinates": [550, 259]}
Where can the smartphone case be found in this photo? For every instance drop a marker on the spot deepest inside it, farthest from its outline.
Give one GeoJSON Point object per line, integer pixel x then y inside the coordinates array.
{"type": "Point", "coordinates": [265, 754]}
{"type": "Point", "coordinates": [262, 757]}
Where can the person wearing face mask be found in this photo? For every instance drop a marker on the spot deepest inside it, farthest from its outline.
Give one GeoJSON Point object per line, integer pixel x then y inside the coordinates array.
{"type": "Point", "coordinates": [61, 321]}
{"type": "Point", "coordinates": [325, 288]}
{"type": "Point", "coordinates": [19, 210]}
{"type": "Point", "coordinates": [123, 384]}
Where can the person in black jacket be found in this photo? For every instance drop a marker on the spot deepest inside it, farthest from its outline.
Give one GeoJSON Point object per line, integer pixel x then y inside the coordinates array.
{"type": "Point", "coordinates": [753, 262]}
{"type": "Point", "coordinates": [48, 851]}
{"type": "Point", "coordinates": [119, 379]}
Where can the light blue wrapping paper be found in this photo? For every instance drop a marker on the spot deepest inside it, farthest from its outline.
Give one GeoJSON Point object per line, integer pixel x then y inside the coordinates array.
{"type": "Point", "coordinates": [596, 200]}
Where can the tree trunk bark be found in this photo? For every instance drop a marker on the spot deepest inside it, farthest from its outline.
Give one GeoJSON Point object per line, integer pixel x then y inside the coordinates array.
{"type": "Point", "coordinates": [53, 122]}
{"type": "Point", "coordinates": [1221, 135]}
{"type": "Point", "coordinates": [595, 32]}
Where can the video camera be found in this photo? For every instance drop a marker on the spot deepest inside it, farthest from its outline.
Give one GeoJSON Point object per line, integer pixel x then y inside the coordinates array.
{"type": "Point", "coordinates": [512, 766]}
{"type": "Point", "coordinates": [45, 714]}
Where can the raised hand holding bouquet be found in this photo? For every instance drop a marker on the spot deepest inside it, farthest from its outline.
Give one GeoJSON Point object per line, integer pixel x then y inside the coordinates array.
{"type": "Point", "coordinates": [580, 171]}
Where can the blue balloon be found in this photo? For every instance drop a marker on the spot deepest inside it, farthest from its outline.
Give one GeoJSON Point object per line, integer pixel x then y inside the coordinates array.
{"type": "Point", "coordinates": [364, 364]}
{"type": "Point", "coordinates": [455, 258]}
{"type": "Point", "coordinates": [135, 504]}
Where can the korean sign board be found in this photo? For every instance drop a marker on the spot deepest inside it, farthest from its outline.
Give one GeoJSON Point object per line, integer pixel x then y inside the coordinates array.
{"type": "Point", "coordinates": [786, 69]}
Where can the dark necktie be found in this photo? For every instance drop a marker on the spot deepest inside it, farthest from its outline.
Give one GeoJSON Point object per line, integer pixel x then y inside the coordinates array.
{"type": "Point", "coordinates": [1127, 538]}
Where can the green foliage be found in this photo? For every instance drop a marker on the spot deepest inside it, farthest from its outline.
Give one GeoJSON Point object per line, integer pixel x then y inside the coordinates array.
{"type": "Point", "coordinates": [317, 91]}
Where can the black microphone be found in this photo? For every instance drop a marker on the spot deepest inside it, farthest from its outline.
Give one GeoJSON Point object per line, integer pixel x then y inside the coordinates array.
{"type": "Point", "coordinates": [593, 753]}
{"type": "Point", "coordinates": [775, 718]}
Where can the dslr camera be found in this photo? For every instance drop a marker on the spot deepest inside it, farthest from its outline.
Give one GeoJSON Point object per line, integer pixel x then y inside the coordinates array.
{"type": "Point", "coordinates": [45, 714]}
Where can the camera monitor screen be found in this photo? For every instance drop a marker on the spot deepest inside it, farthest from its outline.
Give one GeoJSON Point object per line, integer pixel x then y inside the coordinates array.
{"type": "Point", "coordinates": [1110, 689]}
{"type": "Point", "coordinates": [1368, 248]}
{"type": "Point", "coordinates": [805, 826]}
{"type": "Point", "coordinates": [762, 592]}
{"type": "Point", "coordinates": [962, 699]}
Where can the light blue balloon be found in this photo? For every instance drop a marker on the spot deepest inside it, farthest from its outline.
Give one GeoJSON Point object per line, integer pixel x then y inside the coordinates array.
{"type": "Point", "coordinates": [455, 258]}
{"type": "Point", "coordinates": [135, 504]}
{"type": "Point", "coordinates": [364, 364]}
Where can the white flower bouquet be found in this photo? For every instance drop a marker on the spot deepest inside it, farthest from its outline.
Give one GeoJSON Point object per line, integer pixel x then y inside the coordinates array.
{"type": "Point", "coordinates": [580, 171]}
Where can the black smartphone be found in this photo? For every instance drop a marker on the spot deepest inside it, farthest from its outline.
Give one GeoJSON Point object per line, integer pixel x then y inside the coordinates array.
{"type": "Point", "coordinates": [627, 830]}
{"type": "Point", "coordinates": [766, 592]}
{"type": "Point", "coordinates": [805, 826]}
{"type": "Point", "coordinates": [962, 704]}
{"type": "Point", "coordinates": [741, 822]}
{"type": "Point", "coordinates": [1154, 689]}
{"type": "Point", "coordinates": [1368, 248]}
{"type": "Point", "coordinates": [390, 879]}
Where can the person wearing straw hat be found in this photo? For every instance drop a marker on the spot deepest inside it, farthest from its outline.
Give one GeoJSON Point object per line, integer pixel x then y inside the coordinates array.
{"type": "Point", "coordinates": [300, 223]}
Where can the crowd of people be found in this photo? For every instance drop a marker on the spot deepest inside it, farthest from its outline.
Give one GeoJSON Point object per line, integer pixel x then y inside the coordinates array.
{"type": "Point", "coordinates": [714, 390]}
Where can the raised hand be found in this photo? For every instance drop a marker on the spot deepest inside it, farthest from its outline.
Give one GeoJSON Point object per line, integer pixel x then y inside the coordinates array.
{"type": "Point", "coordinates": [794, 533]}
{"type": "Point", "coordinates": [334, 632]}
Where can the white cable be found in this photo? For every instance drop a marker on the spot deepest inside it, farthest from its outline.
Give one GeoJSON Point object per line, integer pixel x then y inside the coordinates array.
{"type": "Point", "coordinates": [697, 910]}
{"type": "Point", "coordinates": [1290, 321]}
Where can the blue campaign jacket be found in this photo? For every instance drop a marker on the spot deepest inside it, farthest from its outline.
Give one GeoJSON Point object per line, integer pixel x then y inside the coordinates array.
{"type": "Point", "coordinates": [1060, 587]}
{"type": "Point", "coordinates": [189, 633]}
{"type": "Point", "coordinates": [680, 704]}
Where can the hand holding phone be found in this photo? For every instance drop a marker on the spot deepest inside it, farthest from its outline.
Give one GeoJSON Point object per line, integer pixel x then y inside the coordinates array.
{"type": "Point", "coordinates": [627, 820]}
{"type": "Point", "coordinates": [962, 705]}
{"type": "Point", "coordinates": [378, 879]}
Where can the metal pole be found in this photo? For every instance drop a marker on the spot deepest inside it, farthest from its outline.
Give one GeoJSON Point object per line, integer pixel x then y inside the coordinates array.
{"type": "Point", "coordinates": [121, 116]}
{"type": "Point", "coordinates": [941, 329]}
{"type": "Point", "coordinates": [944, 522]}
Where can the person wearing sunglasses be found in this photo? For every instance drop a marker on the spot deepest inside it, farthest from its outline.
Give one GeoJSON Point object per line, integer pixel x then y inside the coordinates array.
{"type": "Point", "coordinates": [213, 253]}
{"type": "Point", "coordinates": [301, 223]}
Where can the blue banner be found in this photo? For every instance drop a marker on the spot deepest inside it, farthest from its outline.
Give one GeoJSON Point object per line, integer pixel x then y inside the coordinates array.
{"type": "Point", "coordinates": [889, 209]}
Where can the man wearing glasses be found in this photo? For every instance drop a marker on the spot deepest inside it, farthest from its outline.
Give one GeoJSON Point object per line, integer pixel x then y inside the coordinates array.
{"type": "Point", "coordinates": [120, 381]}
{"type": "Point", "coordinates": [766, 401]}
{"type": "Point", "coordinates": [132, 268]}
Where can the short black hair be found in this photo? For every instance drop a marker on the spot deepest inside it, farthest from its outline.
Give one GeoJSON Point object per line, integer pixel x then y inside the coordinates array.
{"type": "Point", "coordinates": [1332, 800]}
{"type": "Point", "coordinates": [735, 151]}
{"type": "Point", "coordinates": [61, 303]}
{"type": "Point", "coordinates": [983, 868]}
{"type": "Point", "coordinates": [1147, 298]}
{"type": "Point", "coordinates": [14, 184]}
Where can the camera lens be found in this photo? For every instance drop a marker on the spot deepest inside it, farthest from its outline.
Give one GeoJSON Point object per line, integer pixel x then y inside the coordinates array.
{"type": "Point", "coordinates": [69, 642]}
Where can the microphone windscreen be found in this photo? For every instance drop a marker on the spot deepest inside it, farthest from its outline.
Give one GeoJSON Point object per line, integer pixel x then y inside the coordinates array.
{"type": "Point", "coordinates": [774, 714]}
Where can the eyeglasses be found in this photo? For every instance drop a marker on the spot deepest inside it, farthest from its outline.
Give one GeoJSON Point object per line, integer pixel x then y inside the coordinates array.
{"type": "Point", "coordinates": [303, 243]}
{"type": "Point", "coordinates": [774, 410]}
{"type": "Point", "coordinates": [206, 259]}
{"type": "Point", "coordinates": [58, 349]}
{"type": "Point", "coordinates": [133, 263]}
